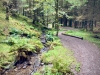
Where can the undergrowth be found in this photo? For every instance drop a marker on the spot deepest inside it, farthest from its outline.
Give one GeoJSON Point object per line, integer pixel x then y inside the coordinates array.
{"type": "Point", "coordinates": [15, 34]}
{"type": "Point", "coordinates": [60, 58]}
{"type": "Point", "coordinates": [19, 34]}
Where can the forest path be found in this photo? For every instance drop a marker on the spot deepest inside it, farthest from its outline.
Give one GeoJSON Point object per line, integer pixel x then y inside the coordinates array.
{"type": "Point", "coordinates": [88, 54]}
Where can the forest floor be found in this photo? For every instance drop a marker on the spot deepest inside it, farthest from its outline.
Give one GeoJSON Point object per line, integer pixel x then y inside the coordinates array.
{"type": "Point", "coordinates": [88, 54]}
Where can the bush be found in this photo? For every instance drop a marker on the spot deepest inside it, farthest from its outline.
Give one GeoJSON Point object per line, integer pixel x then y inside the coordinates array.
{"type": "Point", "coordinates": [48, 71]}
{"type": "Point", "coordinates": [4, 60]}
{"type": "Point", "coordinates": [49, 37]}
{"type": "Point", "coordinates": [55, 57]}
{"type": "Point", "coordinates": [10, 41]}
{"type": "Point", "coordinates": [53, 44]}
{"type": "Point", "coordinates": [33, 44]}
{"type": "Point", "coordinates": [37, 44]}
{"type": "Point", "coordinates": [15, 31]}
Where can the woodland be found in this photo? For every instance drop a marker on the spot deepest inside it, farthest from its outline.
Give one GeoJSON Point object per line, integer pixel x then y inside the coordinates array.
{"type": "Point", "coordinates": [49, 37]}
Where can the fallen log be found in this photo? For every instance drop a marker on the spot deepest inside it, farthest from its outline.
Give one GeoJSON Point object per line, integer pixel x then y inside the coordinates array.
{"type": "Point", "coordinates": [73, 36]}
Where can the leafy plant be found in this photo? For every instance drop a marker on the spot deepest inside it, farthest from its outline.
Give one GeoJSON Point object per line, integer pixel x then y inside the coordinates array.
{"type": "Point", "coordinates": [49, 37]}
{"type": "Point", "coordinates": [55, 56]}
{"type": "Point", "coordinates": [37, 73]}
{"type": "Point", "coordinates": [4, 60]}
{"type": "Point", "coordinates": [15, 31]}
{"type": "Point", "coordinates": [10, 41]}
{"type": "Point", "coordinates": [77, 67]}
{"type": "Point", "coordinates": [48, 71]}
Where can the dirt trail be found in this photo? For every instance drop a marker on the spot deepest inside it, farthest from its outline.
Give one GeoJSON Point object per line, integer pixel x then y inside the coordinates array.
{"type": "Point", "coordinates": [85, 52]}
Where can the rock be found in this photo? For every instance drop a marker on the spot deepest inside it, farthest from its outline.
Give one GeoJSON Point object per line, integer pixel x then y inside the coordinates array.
{"type": "Point", "coordinates": [41, 64]}
{"type": "Point", "coordinates": [29, 63]}
{"type": "Point", "coordinates": [25, 66]}
{"type": "Point", "coordinates": [1, 70]}
{"type": "Point", "coordinates": [15, 69]}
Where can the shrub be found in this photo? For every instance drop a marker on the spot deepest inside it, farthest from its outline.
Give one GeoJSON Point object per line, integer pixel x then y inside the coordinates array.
{"type": "Point", "coordinates": [51, 45]}
{"type": "Point", "coordinates": [37, 44]}
{"type": "Point", "coordinates": [48, 71]}
{"type": "Point", "coordinates": [10, 41]}
{"type": "Point", "coordinates": [33, 44]}
{"type": "Point", "coordinates": [15, 31]}
{"type": "Point", "coordinates": [5, 59]}
{"type": "Point", "coordinates": [55, 56]}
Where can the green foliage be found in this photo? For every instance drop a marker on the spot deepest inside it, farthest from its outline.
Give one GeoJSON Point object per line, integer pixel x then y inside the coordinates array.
{"type": "Point", "coordinates": [4, 60]}
{"type": "Point", "coordinates": [33, 44]}
{"type": "Point", "coordinates": [15, 31]}
{"type": "Point", "coordinates": [10, 41]}
{"type": "Point", "coordinates": [55, 56]}
{"type": "Point", "coordinates": [55, 42]}
{"type": "Point", "coordinates": [24, 18]}
{"type": "Point", "coordinates": [37, 73]}
{"type": "Point", "coordinates": [48, 71]}
{"type": "Point", "coordinates": [28, 33]}
{"type": "Point", "coordinates": [77, 33]}
{"type": "Point", "coordinates": [78, 67]}
{"type": "Point", "coordinates": [9, 44]}
{"type": "Point", "coordinates": [69, 32]}
{"type": "Point", "coordinates": [77, 3]}
{"type": "Point", "coordinates": [86, 35]}
{"type": "Point", "coordinates": [49, 37]}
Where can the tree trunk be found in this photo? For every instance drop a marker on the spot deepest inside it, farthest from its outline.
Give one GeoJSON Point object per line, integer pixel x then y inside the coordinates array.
{"type": "Point", "coordinates": [56, 17]}
{"type": "Point", "coordinates": [64, 20]}
{"type": "Point", "coordinates": [85, 24]}
{"type": "Point", "coordinates": [7, 13]}
{"type": "Point", "coordinates": [91, 25]}
{"type": "Point", "coordinates": [75, 24]}
{"type": "Point", "coordinates": [70, 22]}
{"type": "Point", "coordinates": [95, 23]}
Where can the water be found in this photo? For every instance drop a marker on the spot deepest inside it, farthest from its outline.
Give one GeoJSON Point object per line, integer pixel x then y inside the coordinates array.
{"type": "Point", "coordinates": [38, 63]}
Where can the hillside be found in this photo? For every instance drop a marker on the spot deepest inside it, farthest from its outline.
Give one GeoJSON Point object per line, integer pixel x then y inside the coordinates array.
{"type": "Point", "coordinates": [13, 34]}
{"type": "Point", "coordinates": [21, 49]}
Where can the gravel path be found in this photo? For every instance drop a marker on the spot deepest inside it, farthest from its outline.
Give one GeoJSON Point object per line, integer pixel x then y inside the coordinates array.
{"type": "Point", "coordinates": [85, 52]}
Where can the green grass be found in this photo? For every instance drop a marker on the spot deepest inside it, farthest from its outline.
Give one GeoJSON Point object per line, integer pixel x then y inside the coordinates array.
{"type": "Point", "coordinates": [21, 24]}
{"type": "Point", "coordinates": [86, 35]}
{"type": "Point", "coordinates": [4, 48]}
{"type": "Point", "coordinates": [60, 57]}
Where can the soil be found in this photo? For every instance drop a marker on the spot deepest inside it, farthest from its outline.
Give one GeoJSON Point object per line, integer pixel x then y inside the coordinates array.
{"type": "Point", "coordinates": [88, 54]}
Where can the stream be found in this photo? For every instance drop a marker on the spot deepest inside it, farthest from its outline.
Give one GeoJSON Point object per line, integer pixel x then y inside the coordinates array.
{"type": "Point", "coordinates": [25, 68]}
{"type": "Point", "coordinates": [38, 61]}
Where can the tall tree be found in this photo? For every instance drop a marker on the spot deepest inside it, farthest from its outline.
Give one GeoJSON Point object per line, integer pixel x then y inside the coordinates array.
{"type": "Point", "coordinates": [56, 16]}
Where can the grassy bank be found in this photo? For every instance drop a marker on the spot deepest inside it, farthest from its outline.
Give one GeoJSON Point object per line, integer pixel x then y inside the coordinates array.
{"type": "Point", "coordinates": [61, 59]}
{"type": "Point", "coordinates": [86, 35]}
{"type": "Point", "coordinates": [15, 34]}
{"type": "Point", "coordinates": [18, 35]}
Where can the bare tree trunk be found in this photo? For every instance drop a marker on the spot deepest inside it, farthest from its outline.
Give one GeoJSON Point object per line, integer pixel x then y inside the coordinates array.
{"type": "Point", "coordinates": [93, 16]}
{"type": "Point", "coordinates": [56, 17]}
{"type": "Point", "coordinates": [7, 13]}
